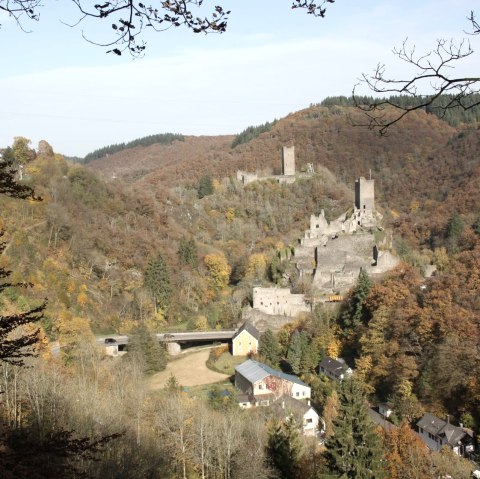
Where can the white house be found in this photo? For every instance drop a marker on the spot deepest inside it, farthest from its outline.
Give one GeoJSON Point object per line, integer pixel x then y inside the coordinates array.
{"type": "Point", "coordinates": [437, 433]}
{"type": "Point", "coordinates": [257, 380]}
{"type": "Point", "coordinates": [305, 415]}
{"type": "Point", "coordinates": [334, 368]}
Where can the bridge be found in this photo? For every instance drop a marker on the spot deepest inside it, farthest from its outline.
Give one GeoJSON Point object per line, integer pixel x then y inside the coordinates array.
{"type": "Point", "coordinates": [117, 344]}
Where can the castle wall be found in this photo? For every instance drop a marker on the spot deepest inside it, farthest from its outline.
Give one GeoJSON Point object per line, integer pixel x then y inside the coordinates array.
{"type": "Point", "coordinates": [288, 160]}
{"type": "Point", "coordinates": [279, 301]}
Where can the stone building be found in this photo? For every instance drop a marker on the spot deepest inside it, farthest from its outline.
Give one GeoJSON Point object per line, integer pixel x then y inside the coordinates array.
{"type": "Point", "coordinates": [279, 301]}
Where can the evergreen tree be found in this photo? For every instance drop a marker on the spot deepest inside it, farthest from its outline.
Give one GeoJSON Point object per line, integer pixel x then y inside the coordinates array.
{"type": "Point", "coordinates": [355, 313]}
{"type": "Point", "coordinates": [269, 349]}
{"type": "Point", "coordinates": [454, 230]}
{"type": "Point", "coordinates": [205, 186]}
{"type": "Point", "coordinates": [476, 225]}
{"type": "Point", "coordinates": [284, 449]}
{"type": "Point", "coordinates": [144, 347]}
{"type": "Point", "coordinates": [354, 450]}
{"type": "Point", "coordinates": [187, 252]}
{"type": "Point", "coordinates": [295, 350]}
{"type": "Point", "coordinates": [157, 281]}
{"type": "Point", "coordinates": [275, 270]}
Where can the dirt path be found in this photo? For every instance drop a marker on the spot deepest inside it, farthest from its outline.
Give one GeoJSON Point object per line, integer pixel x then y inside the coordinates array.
{"type": "Point", "coordinates": [189, 370]}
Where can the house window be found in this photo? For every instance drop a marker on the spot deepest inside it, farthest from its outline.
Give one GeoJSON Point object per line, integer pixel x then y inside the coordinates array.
{"type": "Point", "coordinates": [303, 393]}
{"type": "Point", "coordinates": [297, 394]}
{"type": "Point", "coordinates": [260, 386]}
{"type": "Point", "coordinates": [309, 420]}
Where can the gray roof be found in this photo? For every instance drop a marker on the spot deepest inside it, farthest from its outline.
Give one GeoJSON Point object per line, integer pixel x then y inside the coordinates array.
{"type": "Point", "coordinates": [255, 371]}
{"type": "Point", "coordinates": [380, 420]}
{"type": "Point", "coordinates": [333, 365]}
{"type": "Point", "coordinates": [250, 328]}
{"type": "Point", "coordinates": [438, 427]}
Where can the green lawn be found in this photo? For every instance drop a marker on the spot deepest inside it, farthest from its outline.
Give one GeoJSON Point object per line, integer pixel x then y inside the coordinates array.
{"type": "Point", "coordinates": [226, 363]}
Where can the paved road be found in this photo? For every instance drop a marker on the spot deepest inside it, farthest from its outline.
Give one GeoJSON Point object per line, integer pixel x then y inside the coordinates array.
{"type": "Point", "coordinates": [176, 337]}
{"type": "Point", "coordinates": [196, 336]}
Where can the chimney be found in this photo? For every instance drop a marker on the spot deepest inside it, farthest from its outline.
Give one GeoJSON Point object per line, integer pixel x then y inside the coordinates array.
{"type": "Point", "coordinates": [283, 404]}
{"type": "Point", "coordinates": [448, 419]}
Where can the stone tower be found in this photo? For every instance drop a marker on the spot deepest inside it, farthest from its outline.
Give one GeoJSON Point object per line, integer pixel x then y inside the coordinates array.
{"type": "Point", "coordinates": [288, 160]}
{"type": "Point", "coordinates": [364, 194]}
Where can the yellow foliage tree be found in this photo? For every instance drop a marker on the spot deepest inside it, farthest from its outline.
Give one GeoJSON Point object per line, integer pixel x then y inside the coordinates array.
{"type": "Point", "coordinates": [82, 297]}
{"type": "Point", "coordinates": [230, 215]}
{"type": "Point", "coordinates": [71, 329]}
{"type": "Point", "coordinates": [333, 348]}
{"type": "Point", "coordinates": [219, 270]}
{"type": "Point", "coordinates": [257, 265]}
{"type": "Point", "coordinates": [201, 323]}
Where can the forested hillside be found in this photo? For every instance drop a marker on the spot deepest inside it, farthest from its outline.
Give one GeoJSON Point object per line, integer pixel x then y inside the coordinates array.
{"type": "Point", "coordinates": [174, 242]}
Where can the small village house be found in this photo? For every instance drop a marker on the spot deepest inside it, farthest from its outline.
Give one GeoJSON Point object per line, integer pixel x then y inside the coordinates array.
{"type": "Point", "coordinates": [305, 415]}
{"type": "Point", "coordinates": [335, 369]}
{"type": "Point", "coordinates": [245, 340]}
{"type": "Point", "coordinates": [260, 382]}
{"type": "Point", "coordinates": [437, 433]}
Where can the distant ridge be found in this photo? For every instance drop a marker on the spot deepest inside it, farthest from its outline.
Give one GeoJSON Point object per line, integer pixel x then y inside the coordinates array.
{"type": "Point", "coordinates": [162, 138]}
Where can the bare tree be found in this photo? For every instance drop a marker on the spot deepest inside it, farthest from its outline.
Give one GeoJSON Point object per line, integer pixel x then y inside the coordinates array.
{"type": "Point", "coordinates": [129, 18]}
{"type": "Point", "coordinates": [433, 83]}
{"type": "Point", "coordinates": [17, 9]}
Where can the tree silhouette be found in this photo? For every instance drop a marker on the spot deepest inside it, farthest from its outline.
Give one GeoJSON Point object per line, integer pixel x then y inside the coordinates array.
{"type": "Point", "coordinates": [13, 347]}
{"type": "Point", "coordinates": [128, 19]}
{"type": "Point", "coordinates": [433, 85]}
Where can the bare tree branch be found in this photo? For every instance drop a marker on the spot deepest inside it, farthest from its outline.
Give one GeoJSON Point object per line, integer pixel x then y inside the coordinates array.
{"type": "Point", "coordinates": [312, 7]}
{"type": "Point", "coordinates": [433, 75]}
{"type": "Point", "coordinates": [130, 18]}
{"type": "Point", "coordinates": [21, 8]}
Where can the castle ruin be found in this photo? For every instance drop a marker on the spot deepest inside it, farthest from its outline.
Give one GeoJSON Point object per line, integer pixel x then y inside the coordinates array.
{"type": "Point", "coordinates": [288, 175]}
{"type": "Point", "coordinates": [333, 253]}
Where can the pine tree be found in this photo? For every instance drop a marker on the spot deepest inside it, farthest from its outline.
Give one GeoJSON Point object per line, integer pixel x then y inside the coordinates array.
{"type": "Point", "coordinates": [144, 347]}
{"type": "Point", "coordinates": [355, 313]}
{"type": "Point", "coordinates": [205, 186]}
{"type": "Point", "coordinates": [295, 350]}
{"type": "Point", "coordinates": [285, 449]}
{"type": "Point", "coordinates": [454, 230]}
{"type": "Point", "coordinates": [187, 252]}
{"type": "Point", "coordinates": [269, 349]}
{"type": "Point", "coordinates": [476, 225]}
{"type": "Point", "coordinates": [354, 450]}
{"type": "Point", "coordinates": [157, 281]}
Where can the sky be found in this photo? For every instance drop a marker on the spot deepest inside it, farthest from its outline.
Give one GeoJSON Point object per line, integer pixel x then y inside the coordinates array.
{"type": "Point", "coordinates": [272, 61]}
